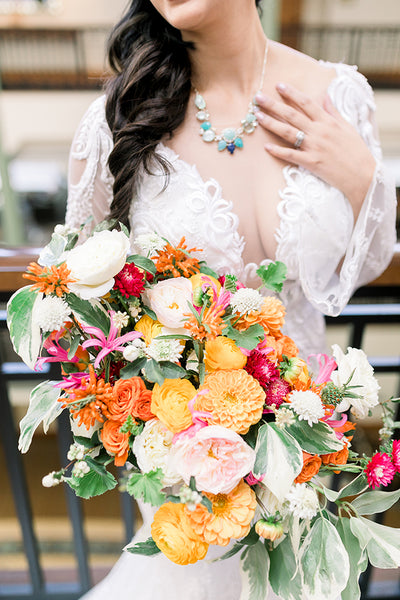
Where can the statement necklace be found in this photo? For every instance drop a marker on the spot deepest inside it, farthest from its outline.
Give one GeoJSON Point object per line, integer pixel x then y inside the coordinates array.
{"type": "Point", "coordinates": [230, 138]}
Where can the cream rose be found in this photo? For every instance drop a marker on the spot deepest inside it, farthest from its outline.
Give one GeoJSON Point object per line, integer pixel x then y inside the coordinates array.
{"type": "Point", "coordinates": [95, 263]}
{"type": "Point", "coordinates": [217, 457]}
{"type": "Point", "coordinates": [169, 300]}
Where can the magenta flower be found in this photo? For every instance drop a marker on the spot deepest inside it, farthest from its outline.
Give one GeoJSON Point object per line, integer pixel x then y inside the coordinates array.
{"type": "Point", "coordinates": [326, 367]}
{"type": "Point", "coordinates": [108, 344]}
{"type": "Point", "coordinates": [74, 380]}
{"type": "Point", "coordinates": [380, 470]}
{"type": "Point", "coordinates": [57, 354]}
{"type": "Point", "coordinates": [396, 455]}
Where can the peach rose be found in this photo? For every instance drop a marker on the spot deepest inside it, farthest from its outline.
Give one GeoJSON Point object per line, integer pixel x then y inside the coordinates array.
{"type": "Point", "coordinates": [222, 353]}
{"type": "Point", "coordinates": [217, 457]}
{"type": "Point", "coordinates": [130, 397]}
{"type": "Point", "coordinates": [336, 458]}
{"type": "Point", "coordinates": [174, 536]}
{"type": "Point", "coordinates": [169, 300]}
{"type": "Point", "coordinates": [149, 328]}
{"type": "Point", "coordinates": [115, 442]}
{"type": "Point", "coordinates": [311, 466]}
{"type": "Point", "coordinates": [170, 403]}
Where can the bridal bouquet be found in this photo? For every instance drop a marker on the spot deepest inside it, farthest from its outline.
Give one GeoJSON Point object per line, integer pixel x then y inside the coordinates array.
{"type": "Point", "coordinates": [187, 379]}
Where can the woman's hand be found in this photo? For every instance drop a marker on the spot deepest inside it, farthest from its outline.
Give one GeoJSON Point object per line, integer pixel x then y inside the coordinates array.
{"type": "Point", "coordinates": [330, 149]}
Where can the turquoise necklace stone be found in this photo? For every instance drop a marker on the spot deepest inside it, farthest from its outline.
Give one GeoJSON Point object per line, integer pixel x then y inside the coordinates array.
{"type": "Point", "coordinates": [230, 138]}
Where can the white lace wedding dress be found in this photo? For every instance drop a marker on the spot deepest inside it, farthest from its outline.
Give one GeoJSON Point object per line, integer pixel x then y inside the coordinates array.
{"type": "Point", "coordinates": [316, 231]}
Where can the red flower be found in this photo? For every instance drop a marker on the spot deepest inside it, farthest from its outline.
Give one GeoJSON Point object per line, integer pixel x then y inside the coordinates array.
{"type": "Point", "coordinates": [129, 281]}
{"type": "Point", "coordinates": [396, 455]}
{"type": "Point", "coordinates": [261, 368]}
{"type": "Point", "coordinates": [276, 392]}
{"type": "Point", "coordinates": [380, 470]}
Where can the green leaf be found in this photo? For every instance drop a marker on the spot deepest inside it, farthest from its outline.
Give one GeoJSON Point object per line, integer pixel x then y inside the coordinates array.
{"type": "Point", "coordinates": [171, 370]}
{"type": "Point", "coordinates": [375, 502]}
{"type": "Point", "coordinates": [105, 225]}
{"type": "Point", "coordinates": [254, 563]}
{"type": "Point", "coordinates": [207, 503]}
{"type": "Point", "coordinates": [150, 313]}
{"type": "Point", "coordinates": [237, 547]}
{"type": "Point", "coordinates": [90, 314]}
{"type": "Point", "coordinates": [74, 346]}
{"type": "Point", "coordinates": [358, 559]}
{"type": "Point", "coordinates": [124, 229]}
{"type": "Point", "coordinates": [279, 459]}
{"type": "Point", "coordinates": [44, 406]}
{"type": "Point", "coordinates": [318, 439]}
{"type": "Point", "coordinates": [143, 263]}
{"type": "Point", "coordinates": [24, 333]}
{"type": "Point", "coordinates": [207, 271]}
{"type": "Point", "coordinates": [284, 575]}
{"type": "Point", "coordinates": [133, 369]}
{"type": "Point", "coordinates": [247, 339]}
{"type": "Point", "coordinates": [178, 336]}
{"type": "Point", "coordinates": [86, 441]}
{"type": "Point", "coordinates": [358, 485]}
{"type": "Point", "coordinates": [50, 255]}
{"type": "Point", "coordinates": [273, 276]}
{"type": "Point", "coordinates": [96, 482]}
{"type": "Point", "coordinates": [153, 372]}
{"type": "Point", "coordinates": [147, 548]}
{"type": "Point", "coordinates": [324, 562]}
{"type": "Point", "coordinates": [382, 543]}
{"type": "Point", "coordinates": [147, 486]}
{"type": "Point", "coordinates": [130, 426]}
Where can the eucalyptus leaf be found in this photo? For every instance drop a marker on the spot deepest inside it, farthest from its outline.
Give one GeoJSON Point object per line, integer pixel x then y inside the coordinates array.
{"type": "Point", "coordinates": [24, 332]}
{"type": "Point", "coordinates": [44, 407]}
{"type": "Point", "coordinates": [375, 502]}
{"type": "Point", "coordinates": [154, 372]}
{"type": "Point", "coordinates": [316, 439]}
{"type": "Point", "coordinates": [171, 370]}
{"type": "Point", "coordinates": [133, 369]}
{"type": "Point", "coordinates": [254, 563]}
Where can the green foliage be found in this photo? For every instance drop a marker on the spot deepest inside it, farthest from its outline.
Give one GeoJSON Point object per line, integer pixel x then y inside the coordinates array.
{"type": "Point", "coordinates": [273, 276]}
{"type": "Point", "coordinates": [142, 263]}
{"type": "Point", "coordinates": [357, 557]}
{"type": "Point", "coordinates": [255, 567]}
{"type": "Point", "coordinates": [133, 369]}
{"type": "Point", "coordinates": [89, 313]}
{"type": "Point", "coordinates": [147, 486]}
{"type": "Point", "coordinates": [247, 339]}
{"type": "Point", "coordinates": [284, 576]}
{"type": "Point", "coordinates": [316, 439]}
{"type": "Point", "coordinates": [147, 548]}
{"type": "Point", "coordinates": [94, 483]}
{"type": "Point", "coordinates": [44, 407]}
{"type": "Point", "coordinates": [24, 333]}
{"type": "Point", "coordinates": [130, 426]}
{"type": "Point", "coordinates": [375, 502]}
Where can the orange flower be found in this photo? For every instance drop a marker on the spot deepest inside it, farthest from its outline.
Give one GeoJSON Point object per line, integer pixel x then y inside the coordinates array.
{"type": "Point", "coordinates": [174, 536]}
{"type": "Point", "coordinates": [311, 466]}
{"type": "Point", "coordinates": [49, 280]}
{"type": "Point", "coordinates": [130, 397]}
{"type": "Point", "coordinates": [88, 403]}
{"type": "Point", "coordinates": [115, 442]}
{"type": "Point", "coordinates": [235, 399]}
{"type": "Point", "coordinates": [170, 402]}
{"type": "Point", "coordinates": [211, 324]}
{"type": "Point", "coordinates": [271, 317]}
{"type": "Point", "coordinates": [176, 261]}
{"type": "Point", "coordinates": [230, 518]}
{"type": "Point", "coordinates": [336, 458]}
{"type": "Point", "coordinates": [222, 353]}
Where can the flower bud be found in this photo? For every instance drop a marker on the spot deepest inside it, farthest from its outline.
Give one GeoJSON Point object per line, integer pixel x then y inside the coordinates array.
{"type": "Point", "coordinates": [268, 529]}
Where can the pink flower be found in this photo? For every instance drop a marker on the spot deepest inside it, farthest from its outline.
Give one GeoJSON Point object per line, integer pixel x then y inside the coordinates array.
{"type": "Point", "coordinates": [169, 300]}
{"type": "Point", "coordinates": [261, 368]}
{"type": "Point", "coordinates": [276, 392]}
{"type": "Point", "coordinates": [217, 457]}
{"type": "Point", "coordinates": [326, 367]}
{"type": "Point", "coordinates": [129, 281]}
{"type": "Point", "coordinates": [396, 455]}
{"type": "Point", "coordinates": [380, 470]}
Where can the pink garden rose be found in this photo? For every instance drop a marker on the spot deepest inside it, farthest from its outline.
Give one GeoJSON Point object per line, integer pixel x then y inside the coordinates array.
{"type": "Point", "coordinates": [217, 457]}
{"type": "Point", "coordinates": [169, 300]}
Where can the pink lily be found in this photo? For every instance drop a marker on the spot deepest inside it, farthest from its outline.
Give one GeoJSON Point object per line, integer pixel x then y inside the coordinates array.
{"type": "Point", "coordinates": [326, 366]}
{"type": "Point", "coordinates": [335, 424]}
{"type": "Point", "coordinates": [74, 380]}
{"type": "Point", "coordinates": [108, 344]}
{"type": "Point", "coordinates": [199, 419]}
{"type": "Point", "coordinates": [57, 354]}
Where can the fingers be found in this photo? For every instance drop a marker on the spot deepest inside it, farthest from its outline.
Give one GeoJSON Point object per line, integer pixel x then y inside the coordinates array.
{"type": "Point", "coordinates": [301, 101]}
{"type": "Point", "coordinates": [281, 111]}
{"type": "Point", "coordinates": [283, 130]}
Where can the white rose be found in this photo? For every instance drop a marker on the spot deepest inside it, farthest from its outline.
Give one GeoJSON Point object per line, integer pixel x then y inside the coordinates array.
{"type": "Point", "coordinates": [169, 300]}
{"type": "Point", "coordinates": [152, 448]}
{"type": "Point", "coordinates": [363, 376]}
{"type": "Point", "coordinates": [95, 263]}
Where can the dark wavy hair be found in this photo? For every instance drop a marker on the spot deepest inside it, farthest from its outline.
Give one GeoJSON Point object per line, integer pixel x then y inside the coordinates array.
{"type": "Point", "coordinates": [147, 96]}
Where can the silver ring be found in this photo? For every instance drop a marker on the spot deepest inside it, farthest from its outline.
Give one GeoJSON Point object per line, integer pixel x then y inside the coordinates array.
{"type": "Point", "coordinates": [300, 135]}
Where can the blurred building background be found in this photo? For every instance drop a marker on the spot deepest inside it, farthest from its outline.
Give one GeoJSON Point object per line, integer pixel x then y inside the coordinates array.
{"type": "Point", "coordinates": [52, 66]}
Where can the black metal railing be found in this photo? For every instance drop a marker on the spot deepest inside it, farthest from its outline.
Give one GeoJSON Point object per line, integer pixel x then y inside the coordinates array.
{"type": "Point", "coordinates": [376, 50]}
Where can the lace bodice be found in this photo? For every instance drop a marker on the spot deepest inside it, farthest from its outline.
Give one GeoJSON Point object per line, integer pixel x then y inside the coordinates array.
{"type": "Point", "coordinates": [316, 231]}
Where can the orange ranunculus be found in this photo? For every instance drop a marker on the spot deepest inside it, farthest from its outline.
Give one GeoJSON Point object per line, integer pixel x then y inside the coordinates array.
{"type": "Point", "coordinates": [235, 399]}
{"type": "Point", "coordinates": [271, 317]}
{"type": "Point", "coordinates": [311, 466]}
{"type": "Point", "coordinates": [222, 353]}
{"type": "Point", "coordinates": [174, 536]}
{"type": "Point", "coordinates": [149, 328]}
{"type": "Point", "coordinates": [336, 458]}
{"type": "Point", "coordinates": [130, 397]}
{"type": "Point", "coordinates": [115, 442]}
{"type": "Point", "coordinates": [230, 518]}
{"type": "Point", "coordinates": [170, 402]}
{"type": "Point", "coordinates": [286, 347]}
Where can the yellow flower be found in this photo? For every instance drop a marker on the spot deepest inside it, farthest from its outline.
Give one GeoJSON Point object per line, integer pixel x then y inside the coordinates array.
{"type": "Point", "coordinates": [172, 532]}
{"type": "Point", "coordinates": [230, 518]}
{"type": "Point", "coordinates": [170, 401]}
{"type": "Point", "coordinates": [269, 529]}
{"type": "Point", "coordinates": [222, 353]}
{"type": "Point", "coordinates": [149, 327]}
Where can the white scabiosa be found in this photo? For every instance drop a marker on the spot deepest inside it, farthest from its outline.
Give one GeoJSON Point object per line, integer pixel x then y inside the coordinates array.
{"type": "Point", "coordinates": [51, 313]}
{"type": "Point", "coordinates": [246, 300]}
{"type": "Point", "coordinates": [170, 350]}
{"type": "Point", "coordinates": [302, 501]}
{"type": "Point", "coordinates": [307, 405]}
{"type": "Point", "coordinates": [150, 243]}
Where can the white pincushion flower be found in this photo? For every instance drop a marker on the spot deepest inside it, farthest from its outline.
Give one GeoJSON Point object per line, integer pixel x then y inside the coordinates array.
{"type": "Point", "coordinates": [51, 313]}
{"type": "Point", "coordinates": [150, 243]}
{"type": "Point", "coordinates": [246, 300]}
{"type": "Point", "coordinates": [152, 449]}
{"type": "Point", "coordinates": [302, 501]}
{"type": "Point", "coordinates": [120, 319]}
{"type": "Point", "coordinates": [134, 350]}
{"type": "Point", "coordinates": [355, 364]}
{"type": "Point", "coordinates": [307, 405]}
{"type": "Point", "coordinates": [170, 350]}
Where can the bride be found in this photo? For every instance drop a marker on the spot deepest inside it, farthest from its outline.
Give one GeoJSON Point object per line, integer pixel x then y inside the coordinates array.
{"type": "Point", "coordinates": [254, 152]}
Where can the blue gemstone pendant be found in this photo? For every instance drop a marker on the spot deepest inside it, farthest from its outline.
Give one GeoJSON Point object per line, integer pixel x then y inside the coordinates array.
{"type": "Point", "coordinates": [231, 148]}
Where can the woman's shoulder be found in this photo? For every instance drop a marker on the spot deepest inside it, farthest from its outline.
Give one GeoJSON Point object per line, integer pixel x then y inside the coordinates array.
{"type": "Point", "coordinates": [93, 129]}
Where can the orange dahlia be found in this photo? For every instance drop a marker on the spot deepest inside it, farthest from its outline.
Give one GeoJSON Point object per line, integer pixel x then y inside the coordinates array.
{"type": "Point", "coordinates": [271, 317]}
{"type": "Point", "coordinates": [235, 399]}
{"type": "Point", "coordinates": [176, 261]}
{"type": "Point", "coordinates": [175, 537]}
{"type": "Point", "coordinates": [230, 518]}
{"type": "Point", "coordinates": [49, 280]}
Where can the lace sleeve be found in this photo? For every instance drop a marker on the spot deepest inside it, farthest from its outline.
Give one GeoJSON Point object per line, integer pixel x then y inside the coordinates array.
{"type": "Point", "coordinates": [89, 179]}
{"type": "Point", "coordinates": [318, 233]}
